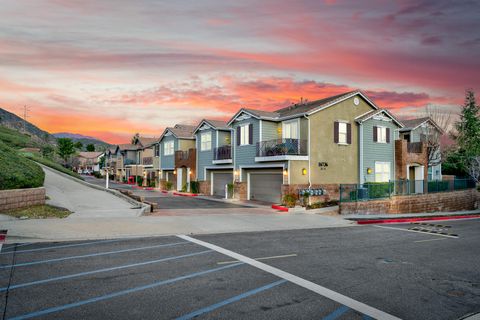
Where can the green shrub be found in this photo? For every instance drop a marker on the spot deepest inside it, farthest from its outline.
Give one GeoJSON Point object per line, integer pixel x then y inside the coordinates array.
{"type": "Point", "coordinates": [54, 165]}
{"type": "Point", "coordinates": [437, 186]}
{"type": "Point", "coordinates": [97, 174]}
{"type": "Point", "coordinates": [378, 190]}
{"type": "Point", "coordinates": [194, 187]}
{"type": "Point", "coordinates": [151, 183]}
{"type": "Point", "coordinates": [139, 180]}
{"type": "Point", "coordinates": [323, 204]}
{"type": "Point", "coordinates": [230, 189]}
{"type": "Point", "coordinates": [14, 139]}
{"type": "Point", "coordinates": [289, 200]}
{"type": "Point", "coordinates": [169, 185]}
{"type": "Point", "coordinates": [17, 172]}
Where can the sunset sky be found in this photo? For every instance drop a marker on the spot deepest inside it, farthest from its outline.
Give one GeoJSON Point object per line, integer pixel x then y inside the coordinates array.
{"type": "Point", "coordinates": [109, 69]}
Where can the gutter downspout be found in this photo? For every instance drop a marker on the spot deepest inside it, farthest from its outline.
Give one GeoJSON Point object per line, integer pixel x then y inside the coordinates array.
{"type": "Point", "coordinates": [308, 150]}
{"type": "Point", "coordinates": [361, 154]}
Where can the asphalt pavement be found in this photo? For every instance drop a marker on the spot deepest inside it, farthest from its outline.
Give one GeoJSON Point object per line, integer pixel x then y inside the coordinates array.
{"type": "Point", "coordinates": [403, 271]}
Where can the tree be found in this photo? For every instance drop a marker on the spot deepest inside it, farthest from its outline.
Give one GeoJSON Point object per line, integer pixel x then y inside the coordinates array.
{"type": "Point", "coordinates": [90, 147]}
{"type": "Point", "coordinates": [78, 145]}
{"type": "Point", "coordinates": [102, 162]}
{"type": "Point", "coordinates": [432, 134]}
{"type": "Point", "coordinates": [65, 148]}
{"type": "Point", "coordinates": [47, 151]}
{"type": "Point", "coordinates": [135, 138]}
{"type": "Point", "coordinates": [474, 168]}
{"type": "Point", "coordinates": [468, 128]}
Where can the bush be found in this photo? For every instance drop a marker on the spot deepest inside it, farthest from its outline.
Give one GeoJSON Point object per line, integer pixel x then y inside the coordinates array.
{"type": "Point", "coordinates": [17, 172]}
{"type": "Point", "coordinates": [289, 200]}
{"type": "Point", "coordinates": [230, 189]}
{"type": "Point", "coordinates": [194, 187]}
{"type": "Point", "coordinates": [438, 186]}
{"type": "Point", "coordinates": [323, 204]}
{"type": "Point", "coordinates": [151, 184]}
{"type": "Point", "coordinates": [97, 174]}
{"type": "Point", "coordinates": [139, 181]}
{"type": "Point", "coordinates": [169, 185]}
{"type": "Point", "coordinates": [378, 190]}
{"type": "Point", "coordinates": [53, 165]}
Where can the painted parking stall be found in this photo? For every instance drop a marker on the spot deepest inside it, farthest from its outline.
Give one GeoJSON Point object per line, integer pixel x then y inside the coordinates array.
{"type": "Point", "coordinates": [149, 278]}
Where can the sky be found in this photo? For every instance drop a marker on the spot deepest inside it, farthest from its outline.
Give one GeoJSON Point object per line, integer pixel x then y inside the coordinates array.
{"type": "Point", "coordinates": [108, 69]}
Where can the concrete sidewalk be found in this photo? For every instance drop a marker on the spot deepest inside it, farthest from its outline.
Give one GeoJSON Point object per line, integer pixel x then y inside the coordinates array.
{"type": "Point", "coordinates": [408, 215]}
{"type": "Point", "coordinates": [107, 228]}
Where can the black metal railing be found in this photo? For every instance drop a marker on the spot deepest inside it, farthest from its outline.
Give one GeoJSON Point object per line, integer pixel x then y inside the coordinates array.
{"type": "Point", "coordinates": [222, 153]}
{"type": "Point", "coordinates": [415, 147]}
{"type": "Point", "coordinates": [381, 190]}
{"type": "Point", "coordinates": [147, 160]}
{"type": "Point", "coordinates": [129, 162]}
{"type": "Point", "coordinates": [282, 147]}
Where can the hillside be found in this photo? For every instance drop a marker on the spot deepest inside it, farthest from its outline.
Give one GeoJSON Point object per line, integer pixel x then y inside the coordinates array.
{"type": "Point", "coordinates": [99, 144]}
{"type": "Point", "coordinates": [12, 121]}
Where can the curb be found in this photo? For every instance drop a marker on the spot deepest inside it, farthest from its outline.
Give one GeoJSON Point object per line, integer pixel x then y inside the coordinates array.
{"type": "Point", "coordinates": [185, 194]}
{"type": "Point", "coordinates": [143, 207]}
{"type": "Point", "coordinates": [402, 220]}
{"type": "Point", "coordinates": [279, 208]}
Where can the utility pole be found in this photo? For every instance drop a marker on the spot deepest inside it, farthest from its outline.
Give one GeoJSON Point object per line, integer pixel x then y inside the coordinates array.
{"type": "Point", "coordinates": [25, 116]}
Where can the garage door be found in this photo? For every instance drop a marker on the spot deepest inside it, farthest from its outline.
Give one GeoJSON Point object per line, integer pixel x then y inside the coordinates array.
{"type": "Point", "coordinates": [266, 186]}
{"type": "Point", "coordinates": [219, 181]}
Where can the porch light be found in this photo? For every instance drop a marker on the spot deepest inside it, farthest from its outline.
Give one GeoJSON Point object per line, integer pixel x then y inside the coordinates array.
{"type": "Point", "coordinates": [174, 171]}
{"type": "Point", "coordinates": [236, 173]}
{"type": "Point", "coordinates": [369, 170]}
{"type": "Point", "coordinates": [304, 171]}
{"type": "Point", "coordinates": [285, 172]}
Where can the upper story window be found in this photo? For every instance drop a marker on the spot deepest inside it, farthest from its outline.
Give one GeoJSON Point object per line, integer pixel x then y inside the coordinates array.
{"type": "Point", "coordinates": [342, 132]}
{"type": "Point", "coordinates": [244, 134]}
{"type": "Point", "coordinates": [290, 130]}
{"type": "Point", "coordinates": [156, 150]}
{"type": "Point", "coordinates": [205, 141]}
{"type": "Point", "coordinates": [381, 134]}
{"type": "Point", "coordinates": [168, 148]}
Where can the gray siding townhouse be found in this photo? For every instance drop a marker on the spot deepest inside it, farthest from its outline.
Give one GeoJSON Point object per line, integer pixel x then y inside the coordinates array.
{"type": "Point", "coordinates": [214, 156]}
{"type": "Point", "coordinates": [177, 156]}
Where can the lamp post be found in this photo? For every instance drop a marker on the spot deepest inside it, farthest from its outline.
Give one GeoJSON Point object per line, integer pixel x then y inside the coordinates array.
{"type": "Point", "coordinates": [108, 176]}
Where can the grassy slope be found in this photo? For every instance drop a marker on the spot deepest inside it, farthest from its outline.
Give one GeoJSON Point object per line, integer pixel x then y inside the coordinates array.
{"type": "Point", "coordinates": [15, 139]}
{"type": "Point", "coordinates": [53, 165]}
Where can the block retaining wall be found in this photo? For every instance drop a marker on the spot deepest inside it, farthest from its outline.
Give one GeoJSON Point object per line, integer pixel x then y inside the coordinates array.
{"type": "Point", "coordinates": [21, 198]}
{"type": "Point", "coordinates": [428, 202]}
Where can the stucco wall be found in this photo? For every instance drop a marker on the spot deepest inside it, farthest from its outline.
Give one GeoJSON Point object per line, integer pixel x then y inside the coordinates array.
{"type": "Point", "coordinates": [295, 171]}
{"type": "Point", "coordinates": [342, 160]}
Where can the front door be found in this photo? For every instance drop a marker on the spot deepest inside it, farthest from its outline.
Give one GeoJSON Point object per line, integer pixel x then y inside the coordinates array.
{"type": "Point", "coordinates": [179, 179]}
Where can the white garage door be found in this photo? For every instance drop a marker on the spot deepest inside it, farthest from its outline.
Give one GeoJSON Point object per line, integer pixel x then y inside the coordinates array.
{"type": "Point", "coordinates": [266, 186]}
{"type": "Point", "coordinates": [219, 180]}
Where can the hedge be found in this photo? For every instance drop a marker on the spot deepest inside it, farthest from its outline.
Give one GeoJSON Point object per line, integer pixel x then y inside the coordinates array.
{"type": "Point", "coordinates": [17, 172]}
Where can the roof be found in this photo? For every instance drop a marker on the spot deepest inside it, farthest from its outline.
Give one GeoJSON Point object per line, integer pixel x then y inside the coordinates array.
{"type": "Point", "coordinates": [215, 124]}
{"type": "Point", "coordinates": [372, 113]}
{"type": "Point", "coordinates": [412, 124]}
{"type": "Point", "coordinates": [145, 142]}
{"type": "Point", "coordinates": [127, 146]}
{"type": "Point", "coordinates": [90, 155]}
{"type": "Point", "coordinates": [301, 109]}
{"type": "Point", "coordinates": [180, 131]}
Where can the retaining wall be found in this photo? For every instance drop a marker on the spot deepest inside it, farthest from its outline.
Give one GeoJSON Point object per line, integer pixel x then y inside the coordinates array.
{"type": "Point", "coordinates": [21, 198]}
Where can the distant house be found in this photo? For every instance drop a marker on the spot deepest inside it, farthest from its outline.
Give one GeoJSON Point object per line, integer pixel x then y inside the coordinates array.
{"type": "Point", "coordinates": [89, 162]}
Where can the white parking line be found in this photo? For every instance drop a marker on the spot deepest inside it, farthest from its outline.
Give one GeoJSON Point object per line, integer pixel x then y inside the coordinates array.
{"type": "Point", "coordinates": [330, 294]}
{"type": "Point", "coordinates": [262, 258]}
{"type": "Point", "coordinates": [426, 233]}
{"type": "Point", "coordinates": [436, 239]}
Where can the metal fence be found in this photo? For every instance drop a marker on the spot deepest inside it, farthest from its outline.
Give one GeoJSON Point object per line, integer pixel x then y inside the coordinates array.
{"type": "Point", "coordinates": [281, 147]}
{"type": "Point", "coordinates": [382, 190]}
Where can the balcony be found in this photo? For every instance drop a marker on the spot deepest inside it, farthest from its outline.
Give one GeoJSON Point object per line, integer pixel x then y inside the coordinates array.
{"type": "Point", "coordinates": [415, 147]}
{"type": "Point", "coordinates": [186, 158]}
{"type": "Point", "coordinates": [282, 149]}
{"type": "Point", "coordinates": [147, 161]}
{"type": "Point", "coordinates": [222, 155]}
{"type": "Point", "coordinates": [128, 162]}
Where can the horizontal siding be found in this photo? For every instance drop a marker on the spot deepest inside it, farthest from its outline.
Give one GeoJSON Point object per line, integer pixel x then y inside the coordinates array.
{"type": "Point", "coordinates": [374, 151]}
{"type": "Point", "coordinates": [168, 161]}
{"type": "Point", "coordinates": [245, 155]}
{"type": "Point", "coordinates": [270, 130]}
{"type": "Point", "coordinates": [204, 158]}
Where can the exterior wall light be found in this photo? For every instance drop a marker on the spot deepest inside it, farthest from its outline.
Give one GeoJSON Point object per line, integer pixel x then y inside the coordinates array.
{"type": "Point", "coordinates": [304, 171]}
{"type": "Point", "coordinates": [369, 170]}
{"type": "Point", "coordinates": [174, 171]}
{"type": "Point", "coordinates": [285, 172]}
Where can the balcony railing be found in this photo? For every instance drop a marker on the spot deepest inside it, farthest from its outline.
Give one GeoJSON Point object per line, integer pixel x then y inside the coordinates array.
{"type": "Point", "coordinates": [222, 153]}
{"type": "Point", "coordinates": [185, 155]}
{"type": "Point", "coordinates": [415, 147]}
{"type": "Point", "coordinates": [282, 147]}
{"type": "Point", "coordinates": [127, 162]}
{"type": "Point", "coordinates": [147, 161]}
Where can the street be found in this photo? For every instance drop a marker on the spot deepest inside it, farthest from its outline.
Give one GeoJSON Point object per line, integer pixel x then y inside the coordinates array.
{"type": "Point", "coordinates": [395, 270]}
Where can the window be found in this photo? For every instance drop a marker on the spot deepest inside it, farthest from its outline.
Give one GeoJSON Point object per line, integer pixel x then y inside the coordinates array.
{"type": "Point", "coordinates": [156, 150]}
{"type": "Point", "coordinates": [168, 148]}
{"type": "Point", "coordinates": [290, 130]}
{"type": "Point", "coordinates": [342, 132]}
{"type": "Point", "coordinates": [382, 171]}
{"type": "Point", "coordinates": [244, 135]}
{"type": "Point", "coordinates": [382, 134]}
{"type": "Point", "coordinates": [205, 141]}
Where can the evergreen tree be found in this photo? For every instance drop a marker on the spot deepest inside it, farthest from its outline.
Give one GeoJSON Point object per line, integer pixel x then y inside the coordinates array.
{"type": "Point", "coordinates": [65, 148]}
{"type": "Point", "coordinates": [468, 128]}
{"type": "Point", "coordinates": [90, 147]}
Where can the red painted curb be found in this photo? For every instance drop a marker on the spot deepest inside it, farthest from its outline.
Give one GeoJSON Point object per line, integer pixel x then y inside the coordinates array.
{"type": "Point", "coordinates": [163, 191]}
{"type": "Point", "coordinates": [400, 220]}
{"type": "Point", "coordinates": [186, 194]}
{"type": "Point", "coordinates": [148, 188]}
{"type": "Point", "coordinates": [279, 208]}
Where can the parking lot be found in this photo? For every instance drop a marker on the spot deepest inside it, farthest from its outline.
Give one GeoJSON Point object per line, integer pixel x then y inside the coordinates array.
{"type": "Point", "coordinates": [341, 273]}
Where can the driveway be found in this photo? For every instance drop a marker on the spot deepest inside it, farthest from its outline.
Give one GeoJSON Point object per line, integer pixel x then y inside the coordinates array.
{"type": "Point", "coordinates": [83, 201]}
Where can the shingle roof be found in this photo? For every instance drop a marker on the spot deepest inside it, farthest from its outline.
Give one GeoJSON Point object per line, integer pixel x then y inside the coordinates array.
{"type": "Point", "coordinates": [144, 141]}
{"type": "Point", "coordinates": [372, 113]}
{"type": "Point", "coordinates": [217, 124]}
{"type": "Point", "coordinates": [413, 123]}
{"type": "Point", "coordinates": [262, 113]}
{"type": "Point", "coordinates": [90, 155]}
{"type": "Point", "coordinates": [182, 131]}
{"type": "Point", "coordinates": [127, 146]}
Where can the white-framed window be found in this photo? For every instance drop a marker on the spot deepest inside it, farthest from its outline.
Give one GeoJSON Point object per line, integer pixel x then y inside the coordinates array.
{"type": "Point", "coordinates": [168, 148]}
{"type": "Point", "coordinates": [205, 141]}
{"type": "Point", "coordinates": [382, 134]}
{"type": "Point", "coordinates": [342, 133]}
{"type": "Point", "coordinates": [290, 130]}
{"type": "Point", "coordinates": [382, 171]}
{"type": "Point", "coordinates": [244, 135]}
